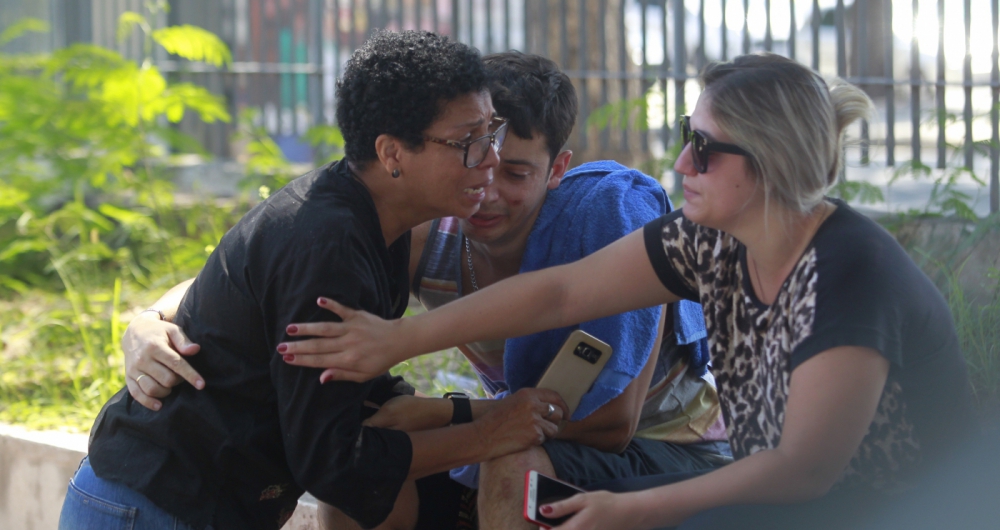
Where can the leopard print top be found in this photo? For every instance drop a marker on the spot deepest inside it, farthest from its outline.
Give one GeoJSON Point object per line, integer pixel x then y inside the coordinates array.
{"type": "Point", "coordinates": [755, 347]}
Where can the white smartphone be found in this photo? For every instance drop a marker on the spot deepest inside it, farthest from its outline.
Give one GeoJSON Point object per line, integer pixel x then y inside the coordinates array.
{"type": "Point", "coordinates": [575, 367]}
{"type": "Point", "coordinates": [540, 490]}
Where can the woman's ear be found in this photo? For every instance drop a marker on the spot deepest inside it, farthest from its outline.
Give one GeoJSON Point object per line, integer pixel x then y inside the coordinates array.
{"type": "Point", "coordinates": [388, 148]}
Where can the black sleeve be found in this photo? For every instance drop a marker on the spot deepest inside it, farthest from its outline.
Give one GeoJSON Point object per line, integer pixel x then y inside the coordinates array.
{"type": "Point", "coordinates": [861, 297]}
{"type": "Point", "coordinates": [359, 470]}
{"type": "Point", "coordinates": [655, 235]}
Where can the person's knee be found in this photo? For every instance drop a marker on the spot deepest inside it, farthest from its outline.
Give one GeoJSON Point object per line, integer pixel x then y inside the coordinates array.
{"type": "Point", "coordinates": [504, 477]}
{"type": "Point", "coordinates": [403, 515]}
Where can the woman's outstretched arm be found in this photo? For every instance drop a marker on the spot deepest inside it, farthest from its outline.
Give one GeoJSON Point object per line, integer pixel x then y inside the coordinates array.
{"type": "Point", "coordinates": [613, 280]}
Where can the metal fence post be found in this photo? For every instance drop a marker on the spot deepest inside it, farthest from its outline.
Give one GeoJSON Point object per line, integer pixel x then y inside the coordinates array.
{"type": "Point", "coordinates": [995, 113]}
{"type": "Point", "coordinates": [915, 88]}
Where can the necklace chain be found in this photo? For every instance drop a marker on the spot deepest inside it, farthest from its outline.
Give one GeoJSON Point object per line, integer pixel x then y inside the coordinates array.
{"type": "Point", "coordinates": [760, 285]}
{"type": "Point", "coordinates": [756, 269]}
{"type": "Point", "coordinates": [468, 259]}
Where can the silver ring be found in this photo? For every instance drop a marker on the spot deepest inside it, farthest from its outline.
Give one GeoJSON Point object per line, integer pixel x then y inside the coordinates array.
{"type": "Point", "coordinates": [144, 375]}
{"type": "Point", "coordinates": [550, 411]}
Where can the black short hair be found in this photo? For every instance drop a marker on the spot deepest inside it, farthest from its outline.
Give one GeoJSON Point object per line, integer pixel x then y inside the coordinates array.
{"type": "Point", "coordinates": [534, 95]}
{"type": "Point", "coordinates": [397, 83]}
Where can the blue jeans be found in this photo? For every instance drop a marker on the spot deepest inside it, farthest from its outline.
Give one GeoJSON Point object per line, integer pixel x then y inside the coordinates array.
{"type": "Point", "coordinates": [93, 503]}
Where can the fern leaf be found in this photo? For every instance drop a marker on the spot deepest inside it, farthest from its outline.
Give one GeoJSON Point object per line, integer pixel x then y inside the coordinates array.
{"type": "Point", "coordinates": [21, 27]}
{"type": "Point", "coordinates": [186, 95]}
{"type": "Point", "coordinates": [194, 43]}
{"type": "Point", "coordinates": [129, 20]}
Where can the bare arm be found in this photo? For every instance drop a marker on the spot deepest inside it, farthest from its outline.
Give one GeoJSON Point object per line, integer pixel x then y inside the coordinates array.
{"type": "Point", "coordinates": [831, 403]}
{"type": "Point", "coordinates": [613, 280]}
{"type": "Point", "coordinates": [611, 427]}
{"type": "Point", "coordinates": [171, 300]}
{"type": "Point", "coordinates": [510, 425]}
{"type": "Point", "coordinates": [154, 349]}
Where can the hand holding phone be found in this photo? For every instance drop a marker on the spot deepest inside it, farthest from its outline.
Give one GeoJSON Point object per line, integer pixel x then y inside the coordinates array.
{"type": "Point", "coordinates": [575, 367]}
{"type": "Point", "coordinates": [540, 490]}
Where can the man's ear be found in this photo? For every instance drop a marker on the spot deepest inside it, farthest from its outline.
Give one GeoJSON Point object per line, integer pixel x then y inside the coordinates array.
{"type": "Point", "coordinates": [388, 148]}
{"type": "Point", "coordinates": [559, 167]}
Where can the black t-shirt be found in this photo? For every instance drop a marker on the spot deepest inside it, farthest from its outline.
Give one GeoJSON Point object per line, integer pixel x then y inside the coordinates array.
{"type": "Point", "coordinates": [239, 453]}
{"type": "Point", "coordinates": [853, 286]}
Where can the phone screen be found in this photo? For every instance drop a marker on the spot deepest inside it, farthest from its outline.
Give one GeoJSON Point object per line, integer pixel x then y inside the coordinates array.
{"type": "Point", "coordinates": [549, 491]}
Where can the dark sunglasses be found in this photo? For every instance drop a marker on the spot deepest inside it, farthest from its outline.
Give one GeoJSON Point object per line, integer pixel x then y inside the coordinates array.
{"type": "Point", "coordinates": [701, 146]}
{"type": "Point", "coordinates": [476, 150]}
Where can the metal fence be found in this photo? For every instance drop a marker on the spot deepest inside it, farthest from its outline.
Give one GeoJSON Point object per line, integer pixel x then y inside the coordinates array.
{"type": "Point", "coordinates": [930, 65]}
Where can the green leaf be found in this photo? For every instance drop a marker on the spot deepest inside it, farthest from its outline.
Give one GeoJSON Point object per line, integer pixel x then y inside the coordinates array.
{"type": "Point", "coordinates": [13, 284]}
{"type": "Point", "coordinates": [617, 114]}
{"type": "Point", "coordinates": [23, 26]}
{"type": "Point", "coordinates": [23, 246]}
{"type": "Point", "coordinates": [862, 192]}
{"type": "Point", "coordinates": [912, 168]}
{"type": "Point", "coordinates": [123, 216]}
{"type": "Point", "coordinates": [194, 44]}
{"type": "Point", "coordinates": [209, 106]}
{"type": "Point", "coordinates": [129, 20]}
{"type": "Point", "coordinates": [11, 197]}
{"type": "Point", "coordinates": [88, 66]}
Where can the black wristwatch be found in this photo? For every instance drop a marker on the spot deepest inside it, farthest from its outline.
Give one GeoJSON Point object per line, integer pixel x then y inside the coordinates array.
{"type": "Point", "coordinates": [462, 412]}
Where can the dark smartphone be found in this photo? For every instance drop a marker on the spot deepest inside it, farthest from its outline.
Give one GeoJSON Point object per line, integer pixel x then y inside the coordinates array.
{"type": "Point", "coordinates": [540, 490]}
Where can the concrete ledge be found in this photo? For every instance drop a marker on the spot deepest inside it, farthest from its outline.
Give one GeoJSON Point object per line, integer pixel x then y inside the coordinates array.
{"type": "Point", "coordinates": [35, 467]}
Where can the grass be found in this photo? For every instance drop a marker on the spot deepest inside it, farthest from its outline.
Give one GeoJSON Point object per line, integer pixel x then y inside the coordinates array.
{"type": "Point", "coordinates": [50, 380]}
{"type": "Point", "coordinates": [978, 327]}
{"type": "Point", "coordinates": [947, 252]}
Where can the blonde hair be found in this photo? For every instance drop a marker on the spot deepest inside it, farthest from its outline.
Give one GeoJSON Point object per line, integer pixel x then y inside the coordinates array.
{"type": "Point", "coordinates": [788, 119]}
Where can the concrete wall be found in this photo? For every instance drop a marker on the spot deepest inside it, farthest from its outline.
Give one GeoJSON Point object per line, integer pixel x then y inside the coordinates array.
{"type": "Point", "coordinates": [35, 468]}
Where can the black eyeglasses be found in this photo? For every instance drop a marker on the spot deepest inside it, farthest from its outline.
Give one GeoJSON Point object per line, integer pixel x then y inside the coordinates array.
{"type": "Point", "coordinates": [702, 147]}
{"type": "Point", "coordinates": [476, 150]}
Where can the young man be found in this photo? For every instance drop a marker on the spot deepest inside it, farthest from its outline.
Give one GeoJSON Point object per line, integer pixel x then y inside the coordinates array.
{"type": "Point", "coordinates": [536, 214]}
{"type": "Point", "coordinates": [527, 215]}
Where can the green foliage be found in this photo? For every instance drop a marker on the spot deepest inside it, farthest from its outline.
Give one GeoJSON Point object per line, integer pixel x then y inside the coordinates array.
{"type": "Point", "coordinates": [87, 214]}
{"type": "Point", "coordinates": [21, 27]}
{"type": "Point", "coordinates": [194, 43]}
{"type": "Point", "coordinates": [620, 114]}
{"type": "Point", "coordinates": [979, 334]}
{"type": "Point", "coordinates": [857, 191]}
{"type": "Point", "coordinates": [90, 230]}
{"type": "Point", "coordinates": [422, 372]}
{"type": "Point", "coordinates": [945, 199]}
{"type": "Point", "coordinates": [266, 166]}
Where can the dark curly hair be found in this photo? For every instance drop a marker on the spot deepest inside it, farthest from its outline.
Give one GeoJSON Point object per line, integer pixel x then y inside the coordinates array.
{"type": "Point", "coordinates": [397, 83]}
{"type": "Point", "coordinates": [534, 95]}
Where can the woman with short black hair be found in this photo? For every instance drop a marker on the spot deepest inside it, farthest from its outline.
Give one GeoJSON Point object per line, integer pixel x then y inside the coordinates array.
{"type": "Point", "coordinates": [421, 140]}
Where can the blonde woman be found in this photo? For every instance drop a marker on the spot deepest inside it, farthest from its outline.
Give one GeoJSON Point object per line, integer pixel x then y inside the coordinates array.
{"type": "Point", "coordinates": [836, 359]}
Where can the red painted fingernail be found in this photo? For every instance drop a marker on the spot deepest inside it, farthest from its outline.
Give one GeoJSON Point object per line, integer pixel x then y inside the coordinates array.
{"type": "Point", "coordinates": [321, 301]}
{"type": "Point", "coordinates": [282, 347]}
{"type": "Point", "coordinates": [546, 509]}
{"type": "Point", "coordinates": [292, 328]}
{"type": "Point", "coordinates": [325, 378]}
{"type": "Point", "coordinates": [288, 358]}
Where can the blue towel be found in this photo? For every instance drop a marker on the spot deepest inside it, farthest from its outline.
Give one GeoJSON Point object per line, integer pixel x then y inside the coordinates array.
{"type": "Point", "coordinates": [689, 327]}
{"type": "Point", "coordinates": [596, 204]}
